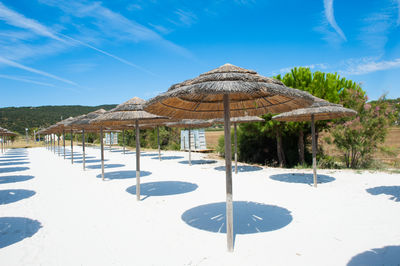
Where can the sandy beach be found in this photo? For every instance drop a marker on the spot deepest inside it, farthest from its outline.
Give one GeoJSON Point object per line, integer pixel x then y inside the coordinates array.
{"type": "Point", "coordinates": [54, 213]}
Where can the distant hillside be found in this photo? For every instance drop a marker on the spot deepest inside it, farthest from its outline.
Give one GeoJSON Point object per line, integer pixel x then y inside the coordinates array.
{"type": "Point", "coordinates": [18, 118]}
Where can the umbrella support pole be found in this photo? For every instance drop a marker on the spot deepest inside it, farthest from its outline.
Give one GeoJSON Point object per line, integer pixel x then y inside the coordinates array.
{"type": "Point", "coordinates": [72, 147]}
{"type": "Point", "coordinates": [102, 153]}
{"type": "Point", "coordinates": [314, 151]}
{"type": "Point", "coordinates": [190, 150]}
{"type": "Point", "coordinates": [123, 140]}
{"type": "Point", "coordinates": [137, 160]}
{"type": "Point", "coordinates": [64, 142]}
{"type": "Point", "coordinates": [158, 143]}
{"type": "Point", "coordinates": [83, 149]}
{"type": "Point", "coordinates": [228, 172]}
{"type": "Point", "coordinates": [236, 157]}
{"type": "Point", "coordinates": [110, 139]}
{"type": "Point", "coordinates": [58, 144]}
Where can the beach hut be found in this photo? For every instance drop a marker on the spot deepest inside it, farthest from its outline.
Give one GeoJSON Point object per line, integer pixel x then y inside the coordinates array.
{"type": "Point", "coordinates": [128, 112]}
{"type": "Point", "coordinates": [235, 121]}
{"type": "Point", "coordinates": [224, 92]}
{"type": "Point", "coordinates": [319, 110]}
{"type": "Point", "coordinates": [190, 124]}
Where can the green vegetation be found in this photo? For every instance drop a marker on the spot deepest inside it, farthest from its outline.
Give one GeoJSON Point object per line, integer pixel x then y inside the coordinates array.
{"type": "Point", "coordinates": [18, 118]}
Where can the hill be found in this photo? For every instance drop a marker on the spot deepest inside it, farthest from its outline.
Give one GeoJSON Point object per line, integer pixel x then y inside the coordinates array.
{"type": "Point", "coordinates": [18, 118]}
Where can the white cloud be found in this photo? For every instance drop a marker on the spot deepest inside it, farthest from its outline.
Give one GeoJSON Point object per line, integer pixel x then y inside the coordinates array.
{"type": "Point", "coordinates": [368, 65]}
{"type": "Point", "coordinates": [186, 18]}
{"type": "Point", "coordinates": [33, 70]}
{"type": "Point", "coordinates": [330, 17]}
{"type": "Point", "coordinates": [15, 19]}
{"type": "Point", "coordinates": [16, 78]}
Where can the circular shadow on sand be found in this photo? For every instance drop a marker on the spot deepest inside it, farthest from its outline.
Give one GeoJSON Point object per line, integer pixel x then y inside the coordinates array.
{"type": "Point", "coordinates": [393, 191]}
{"type": "Point", "coordinates": [13, 160]}
{"type": "Point", "coordinates": [168, 157]}
{"type": "Point", "coordinates": [12, 169]}
{"type": "Point", "coordinates": [15, 229]}
{"type": "Point", "coordinates": [248, 217]}
{"type": "Point", "coordinates": [14, 178]}
{"type": "Point", "coordinates": [241, 168]}
{"type": "Point", "coordinates": [163, 188]}
{"type": "Point", "coordinates": [148, 154]}
{"type": "Point", "coordinates": [14, 157]}
{"type": "Point", "coordinates": [194, 162]}
{"type": "Point", "coordinates": [123, 174]}
{"type": "Point", "coordinates": [389, 255]}
{"type": "Point", "coordinates": [91, 161]}
{"type": "Point", "coordinates": [302, 178]}
{"type": "Point", "coordinates": [12, 195]}
{"type": "Point", "coordinates": [13, 163]}
{"type": "Point", "coordinates": [106, 166]}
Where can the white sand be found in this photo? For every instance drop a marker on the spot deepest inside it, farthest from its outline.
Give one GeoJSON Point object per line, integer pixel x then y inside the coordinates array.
{"type": "Point", "coordinates": [82, 220]}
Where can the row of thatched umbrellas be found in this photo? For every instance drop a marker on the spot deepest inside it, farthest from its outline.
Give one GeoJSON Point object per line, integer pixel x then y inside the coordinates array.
{"type": "Point", "coordinates": [225, 93]}
{"type": "Point", "coordinates": [4, 133]}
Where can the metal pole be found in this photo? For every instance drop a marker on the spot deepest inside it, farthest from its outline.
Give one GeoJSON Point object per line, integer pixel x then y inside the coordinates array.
{"type": "Point", "coordinates": [236, 157]}
{"type": "Point", "coordinates": [102, 152]}
{"type": "Point", "coordinates": [158, 143]}
{"type": "Point", "coordinates": [190, 149]}
{"type": "Point", "coordinates": [137, 160]}
{"type": "Point", "coordinates": [314, 151]}
{"type": "Point", "coordinates": [64, 142]}
{"type": "Point", "coordinates": [123, 140]}
{"type": "Point", "coordinates": [228, 172]}
{"type": "Point", "coordinates": [83, 148]}
{"type": "Point", "coordinates": [72, 147]}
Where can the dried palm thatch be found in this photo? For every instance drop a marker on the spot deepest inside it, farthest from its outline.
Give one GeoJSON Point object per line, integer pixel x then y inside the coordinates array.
{"type": "Point", "coordinates": [249, 94]}
{"type": "Point", "coordinates": [127, 113]}
{"type": "Point", "coordinates": [239, 119]}
{"type": "Point", "coordinates": [83, 121]}
{"type": "Point", "coordinates": [190, 123]}
{"type": "Point", "coordinates": [320, 109]}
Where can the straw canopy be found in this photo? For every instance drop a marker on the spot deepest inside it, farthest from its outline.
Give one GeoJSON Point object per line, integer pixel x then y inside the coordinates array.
{"type": "Point", "coordinates": [83, 121]}
{"type": "Point", "coordinates": [190, 123]}
{"type": "Point", "coordinates": [321, 109]}
{"type": "Point", "coordinates": [125, 113]}
{"type": "Point", "coordinates": [249, 94]}
{"type": "Point", "coordinates": [239, 119]}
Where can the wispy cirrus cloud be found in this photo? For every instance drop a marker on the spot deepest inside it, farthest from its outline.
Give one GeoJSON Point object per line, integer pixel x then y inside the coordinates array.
{"type": "Point", "coordinates": [368, 65]}
{"type": "Point", "coordinates": [11, 63]}
{"type": "Point", "coordinates": [330, 17]}
{"type": "Point", "coordinates": [31, 81]}
{"type": "Point", "coordinates": [15, 19]}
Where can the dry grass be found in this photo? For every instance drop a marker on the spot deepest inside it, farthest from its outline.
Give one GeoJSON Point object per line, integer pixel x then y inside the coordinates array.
{"type": "Point", "coordinates": [212, 138]}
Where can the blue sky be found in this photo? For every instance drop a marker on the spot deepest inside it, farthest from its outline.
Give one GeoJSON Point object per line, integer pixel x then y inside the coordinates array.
{"type": "Point", "coordinates": [55, 52]}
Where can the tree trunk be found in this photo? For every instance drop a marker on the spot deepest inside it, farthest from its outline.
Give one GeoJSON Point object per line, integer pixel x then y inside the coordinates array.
{"type": "Point", "coordinates": [301, 147]}
{"type": "Point", "coordinates": [281, 154]}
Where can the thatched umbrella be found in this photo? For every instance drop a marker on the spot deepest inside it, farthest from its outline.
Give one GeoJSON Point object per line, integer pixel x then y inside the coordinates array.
{"type": "Point", "coordinates": [235, 121]}
{"type": "Point", "coordinates": [128, 112]}
{"type": "Point", "coordinates": [319, 110]}
{"type": "Point", "coordinates": [224, 92]}
{"type": "Point", "coordinates": [190, 124]}
{"type": "Point", "coordinates": [61, 127]}
{"type": "Point", "coordinates": [82, 123]}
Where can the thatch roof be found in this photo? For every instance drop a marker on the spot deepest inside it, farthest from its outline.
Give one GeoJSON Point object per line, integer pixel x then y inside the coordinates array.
{"type": "Point", "coordinates": [190, 123]}
{"type": "Point", "coordinates": [239, 119]}
{"type": "Point", "coordinates": [249, 93]}
{"type": "Point", "coordinates": [127, 113]}
{"type": "Point", "coordinates": [321, 109]}
{"type": "Point", "coordinates": [83, 121]}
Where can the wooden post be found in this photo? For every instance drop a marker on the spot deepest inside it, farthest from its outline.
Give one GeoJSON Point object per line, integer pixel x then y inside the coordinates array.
{"type": "Point", "coordinates": [110, 139]}
{"type": "Point", "coordinates": [158, 143]}
{"type": "Point", "coordinates": [314, 151]}
{"type": "Point", "coordinates": [235, 129]}
{"type": "Point", "coordinates": [102, 152]}
{"type": "Point", "coordinates": [64, 142]}
{"type": "Point", "coordinates": [123, 140]}
{"type": "Point", "coordinates": [72, 147]}
{"type": "Point", "coordinates": [2, 144]}
{"type": "Point", "coordinates": [137, 160]}
{"type": "Point", "coordinates": [83, 149]}
{"type": "Point", "coordinates": [190, 149]}
{"type": "Point", "coordinates": [53, 148]}
{"type": "Point", "coordinates": [58, 143]}
{"type": "Point", "coordinates": [228, 172]}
